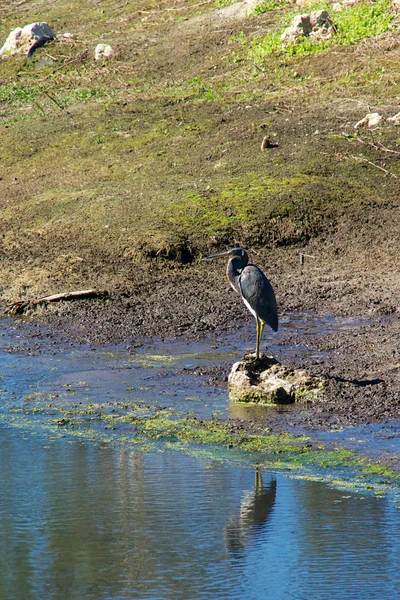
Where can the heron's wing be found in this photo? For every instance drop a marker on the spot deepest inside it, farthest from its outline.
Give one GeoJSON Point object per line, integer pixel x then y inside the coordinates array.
{"type": "Point", "coordinates": [258, 295]}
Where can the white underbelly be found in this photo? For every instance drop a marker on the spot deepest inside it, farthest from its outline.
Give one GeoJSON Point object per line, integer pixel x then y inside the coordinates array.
{"type": "Point", "coordinates": [253, 312]}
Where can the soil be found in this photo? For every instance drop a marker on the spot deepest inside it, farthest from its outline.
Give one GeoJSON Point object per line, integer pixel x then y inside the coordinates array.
{"type": "Point", "coordinates": [361, 363]}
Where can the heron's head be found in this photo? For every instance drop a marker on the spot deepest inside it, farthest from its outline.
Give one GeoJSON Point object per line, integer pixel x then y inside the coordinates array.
{"type": "Point", "coordinates": [237, 262]}
{"type": "Point", "coordinates": [233, 252]}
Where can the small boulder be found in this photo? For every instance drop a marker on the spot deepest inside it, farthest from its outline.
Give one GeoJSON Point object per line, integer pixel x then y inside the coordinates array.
{"type": "Point", "coordinates": [395, 118]}
{"type": "Point", "coordinates": [103, 51]}
{"type": "Point", "coordinates": [20, 39]}
{"type": "Point", "coordinates": [265, 381]}
{"type": "Point", "coordinates": [370, 120]}
{"type": "Point", "coordinates": [316, 24]}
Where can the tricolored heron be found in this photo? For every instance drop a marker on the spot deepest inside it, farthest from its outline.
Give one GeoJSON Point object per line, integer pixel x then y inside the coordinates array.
{"type": "Point", "coordinates": [256, 291]}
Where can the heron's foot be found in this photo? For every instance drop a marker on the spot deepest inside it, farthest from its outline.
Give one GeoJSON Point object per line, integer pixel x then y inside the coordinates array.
{"type": "Point", "coordinates": [261, 363]}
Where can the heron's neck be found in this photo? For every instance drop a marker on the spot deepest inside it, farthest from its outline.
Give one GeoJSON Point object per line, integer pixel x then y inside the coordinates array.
{"type": "Point", "coordinates": [233, 273]}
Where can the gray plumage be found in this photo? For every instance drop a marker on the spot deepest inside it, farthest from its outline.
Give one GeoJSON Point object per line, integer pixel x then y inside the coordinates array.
{"type": "Point", "coordinates": [256, 291]}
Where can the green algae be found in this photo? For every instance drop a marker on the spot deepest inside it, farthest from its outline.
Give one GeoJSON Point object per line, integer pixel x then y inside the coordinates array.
{"type": "Point", "coordinates": [147, 427]}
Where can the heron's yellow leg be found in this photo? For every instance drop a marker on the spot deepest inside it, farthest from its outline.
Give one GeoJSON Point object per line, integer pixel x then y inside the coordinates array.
{"type": "Point", "coordinates": [257, 337]}
{"type": "Point", "coordinates": [260, 332]}
{"type": "Point", "coordinates": [258, 486]}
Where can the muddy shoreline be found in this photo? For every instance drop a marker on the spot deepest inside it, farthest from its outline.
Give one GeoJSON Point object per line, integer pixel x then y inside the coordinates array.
{"type": "Point", "coordinates": [167, 165]}
{"type": "Point", "coordinates": [361, 362]}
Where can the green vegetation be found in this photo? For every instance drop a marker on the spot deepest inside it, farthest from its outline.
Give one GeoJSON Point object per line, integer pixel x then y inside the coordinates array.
{"type": "Point", "coordinates": [363, 21]}
{"type": "Point", "coordinates": [269, 6]}
{"type": "Point", "coordinates": [147, 427]}
{"type": "Point", "coordinates": [355, 23]}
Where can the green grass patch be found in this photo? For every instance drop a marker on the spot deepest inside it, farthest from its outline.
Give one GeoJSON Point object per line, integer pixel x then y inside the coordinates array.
{"type": "Point", "coordinates": [353, 23]}
{"type": "Point", "coordinates": [270, 6]}
{"type": "Point", "coordinates": [363, 21]}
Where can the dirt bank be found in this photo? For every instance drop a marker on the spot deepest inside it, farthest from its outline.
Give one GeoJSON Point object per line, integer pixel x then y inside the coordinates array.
{"type": "Point", "coordinates": [361, 363]}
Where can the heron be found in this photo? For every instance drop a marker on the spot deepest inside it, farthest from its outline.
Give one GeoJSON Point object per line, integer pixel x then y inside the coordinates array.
{"type": "Point", "coordinates": [255, 289]}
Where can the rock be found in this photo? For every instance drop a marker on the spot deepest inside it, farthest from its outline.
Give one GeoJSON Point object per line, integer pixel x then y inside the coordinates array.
{"type": "Point", "coordinates": [237, 10]}
{"type": "Point", "coordinates": [265, 381]}
{"type": "Point", "coordinates": [395, 118]}
{"type": "Point", "coordinates": [20, 39]}
{"type": "Point", "coordinates": [103, 51]}
{"type": "Point", "coordinates": [316, 24]}
{"type": "Point", "coordinates": [268, 143]}
{"type": "Point", "coordinates": [370, 120]}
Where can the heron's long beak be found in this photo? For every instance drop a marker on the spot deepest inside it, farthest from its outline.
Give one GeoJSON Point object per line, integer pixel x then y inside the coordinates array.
{"type": "Point", "coordinates": [226, 253]}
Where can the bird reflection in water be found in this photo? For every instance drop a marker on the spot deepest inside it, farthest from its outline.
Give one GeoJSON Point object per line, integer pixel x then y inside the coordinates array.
{"type": "Point", "coordinates": [255, 511]}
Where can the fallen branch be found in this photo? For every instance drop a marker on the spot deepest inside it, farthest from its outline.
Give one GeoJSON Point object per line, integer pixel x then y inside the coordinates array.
{"type": "Point", "coordinates": [77, 295]}
{"type": "Point", "coordinates": [378, 146]}
{"type": "Point", "coordinates": [79, 58]}
{"type": "Point", "coordinates": [21, 306]}
{"type": "Point", "coordinates": [303, 256]}
{"type": "Point", "coordinates": [163, 10]}
{"type": "Point", "coordinates": [362, 159]}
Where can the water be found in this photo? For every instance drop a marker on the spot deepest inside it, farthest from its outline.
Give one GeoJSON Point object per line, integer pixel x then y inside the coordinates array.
{"type": "Point", "coordinates": [91, 522]}
{"type": "Point", "coordinates": [160, 371]}
{"type": "Point", "coordinates": [84, 520]}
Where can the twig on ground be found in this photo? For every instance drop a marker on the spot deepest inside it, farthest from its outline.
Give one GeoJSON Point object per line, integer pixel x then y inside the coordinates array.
{"type": "Point", "coordinates": [79, 58]}
{"type": "Point", "coordinates": [158, 12]}
{"type": "Point", "coordinates": [21, 306]}
{"type": "Point", "coordinates": [303, 256]}
{"type": "Point", "coordinates": [340, 156]}
{"type": "Point", "coordinates": [378, 146]}
{"type": "Point", "coordinates": [362, 159]}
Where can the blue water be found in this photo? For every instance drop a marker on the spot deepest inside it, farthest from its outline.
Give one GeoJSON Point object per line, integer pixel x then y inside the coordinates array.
{"type": "Point", "coordinates": [85, 520]}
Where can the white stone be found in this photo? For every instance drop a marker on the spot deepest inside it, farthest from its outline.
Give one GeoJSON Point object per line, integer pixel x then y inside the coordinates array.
{"type": "Point", "coordinates": [271, 390]}
{"type": "Point", "coordinates": [267, 382]}
{"type": "Point", "coordinates": [395, 118]}
{"type": "Point", "coordinates": [103, 51]}
{"type": "Point", "coordinates": [20, 39]}
{"type": "Point", "coordinates": [370, 120]}
{"type": "Point", "coordinates": [316, 24]}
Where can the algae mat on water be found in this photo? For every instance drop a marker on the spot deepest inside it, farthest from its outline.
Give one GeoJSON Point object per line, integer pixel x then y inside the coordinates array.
{"type": "Point", "coordinates": [145, 427]}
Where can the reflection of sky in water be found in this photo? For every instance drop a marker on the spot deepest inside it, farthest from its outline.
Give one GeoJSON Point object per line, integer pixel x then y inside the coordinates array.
{"type": "Point", "coordinates": [91, 522]}
{"type": "Point", "coordinates": [160, 372]}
